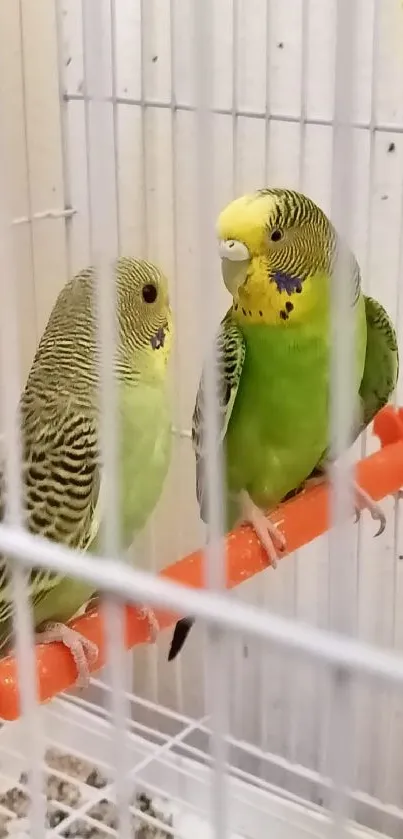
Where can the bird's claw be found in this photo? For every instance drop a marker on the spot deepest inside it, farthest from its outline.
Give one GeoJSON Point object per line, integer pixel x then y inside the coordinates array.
{"type": "Point", "coordinates": [381, 528]}
{"type": "Point", "coordinates": [149, 615]}
{"type": "Point", "coordinates": [83, 651]}
{"type": "Point", "coordinates": [268, 533]}
{"type": "Point", "coordinates": [364, 501]}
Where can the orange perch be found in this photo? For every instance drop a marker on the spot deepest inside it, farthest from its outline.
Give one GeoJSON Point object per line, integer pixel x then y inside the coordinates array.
{"type": "Point", "coordinates": [303, 518]}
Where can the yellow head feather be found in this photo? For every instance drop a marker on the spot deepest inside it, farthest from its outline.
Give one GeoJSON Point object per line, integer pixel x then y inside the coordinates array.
{"type": "Point", "coordinates": [144, 326]}
{"type": "Point", "coordinates": [277, 248]}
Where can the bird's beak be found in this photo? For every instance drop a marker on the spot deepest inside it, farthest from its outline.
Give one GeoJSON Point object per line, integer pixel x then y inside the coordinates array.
{"type": "Point", "coordinates": [235, 260]}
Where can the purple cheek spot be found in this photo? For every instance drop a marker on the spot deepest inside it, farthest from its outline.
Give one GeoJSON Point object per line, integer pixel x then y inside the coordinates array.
{"type": "Point", "coordinates": [158, 340]}
{"type": "Point", "coordinates": [285, 282]}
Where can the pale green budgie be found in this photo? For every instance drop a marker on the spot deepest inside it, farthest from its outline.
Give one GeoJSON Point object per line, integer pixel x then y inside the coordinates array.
{"type": "Point", "coordinates": [62, 470]}
{"type": "Point", "coordinates": [277, 249]}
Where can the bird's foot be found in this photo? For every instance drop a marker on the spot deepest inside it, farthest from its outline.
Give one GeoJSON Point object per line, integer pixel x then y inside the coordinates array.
{"type": "Point", "coordinates": [146, 612]}
{"type": "Point", "coordinates": [364, 501]}
{"type": "Point", "coordinates": [269, 534]}
{"type": "Point", "coordinates": [84, 652]}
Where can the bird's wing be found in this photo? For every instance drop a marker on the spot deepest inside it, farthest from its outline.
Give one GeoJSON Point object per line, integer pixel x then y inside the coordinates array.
{"type": "Point", "coordinates": [230, 355]}
{"type": "Point", "coordinates": [381, 370]}
{"type": "Point", "coordinates": [61, 483]}
{"type": "Point", "coordinates": [381, 361]}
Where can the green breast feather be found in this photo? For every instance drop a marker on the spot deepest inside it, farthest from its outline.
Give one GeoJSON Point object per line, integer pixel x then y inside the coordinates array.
{"type": "Point", "coordinates": [377, 383]}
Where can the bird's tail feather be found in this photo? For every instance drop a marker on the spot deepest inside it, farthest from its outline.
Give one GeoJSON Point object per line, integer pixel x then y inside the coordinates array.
{"type": "Point", "coordinates": [180, 634]}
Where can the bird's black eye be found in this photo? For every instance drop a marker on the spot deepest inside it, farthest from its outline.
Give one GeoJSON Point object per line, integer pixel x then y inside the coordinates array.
{"type": "Point", "coordinates": [149, 293]}
{"type": "Point", "coordinates": [276, 235]}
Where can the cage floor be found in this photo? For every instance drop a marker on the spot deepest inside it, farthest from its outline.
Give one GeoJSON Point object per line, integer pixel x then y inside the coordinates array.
{"type": "Point", "coordinates": [69, 783]}
{"type": "Point", "coordinates": [170, 794]}
{"type": "Point", "coordinates": [79, 792]}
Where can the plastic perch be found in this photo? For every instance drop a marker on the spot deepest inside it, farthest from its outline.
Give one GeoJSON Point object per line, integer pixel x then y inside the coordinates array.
{"type": "Point", "coordinates": [302, 519]}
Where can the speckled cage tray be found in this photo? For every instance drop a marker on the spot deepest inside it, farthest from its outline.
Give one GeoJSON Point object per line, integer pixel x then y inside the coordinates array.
{"type": "Point", "coordinates": [69, 784]}
{"type": "Point", "coordinates": [171, 794]}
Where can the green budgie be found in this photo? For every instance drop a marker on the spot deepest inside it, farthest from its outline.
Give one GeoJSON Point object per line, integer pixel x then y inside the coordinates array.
{"type": "Point", "coordinates": [277, 249]}
{"type": "Point", "coordinates": [62, 469]}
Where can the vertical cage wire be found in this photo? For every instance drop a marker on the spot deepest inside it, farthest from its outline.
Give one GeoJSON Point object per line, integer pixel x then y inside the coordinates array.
{"type": "Point", "coordinates": [264, 674]}
{"type": "Point", "coordinates": [11, 388]}
{"type": "Point", "coordinates": [293, 717]}
{"type": "Point", "coordinates": [267, 92]}
{"type": "Point", "coordinates": [236, 651]}
{"type": "Point", "coordinates": [64, 133]}
{"type": "Point", "coordinates": [359, 557]}
{"type": "Point", "coordinates": [303, 91]}
{"type": "Point", "coordinates": [369, 226]}
{"type": "Point", "coordinates": [147, 33]}
{"type": "Point", "coordinates": [178, 442]}
{"type": "Point", "coordinates": [102, 200]}
{"type": "Point", "coordinates": [397, 531]}
{"type": "Point", "coordinates": [209, 296]}
{"type": "Point", "coordinates": [376, 760]}
{"type": "Point", "coordinates": [341, 536]}
{"type": "Point", "coordinates": [144, 126]}
{"type": "Point", "coordinates": [235, 94]}
{"type": "Point", "coordinates": [114, 69]}
{"type": "Point", "coordinates": [217, 674]}
{"type": "Point", "coordinates": [148, 27]}
{"type": "Point", "coordinates": [372, 135]}
{"type": "Point", "coordinates": [397, 510]}
{"type": "Point", "coordinates": [87, 132]}
{"type": "Point", "coordinates": [10, 392]}
{"type": "Point", "coordinates": [27, 156]}
{"type": "Point", "coordinates": [342, 324]}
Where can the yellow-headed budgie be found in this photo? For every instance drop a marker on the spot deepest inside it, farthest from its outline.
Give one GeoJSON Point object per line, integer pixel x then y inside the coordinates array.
{"type": "Point", "coordinates": [277, 249]}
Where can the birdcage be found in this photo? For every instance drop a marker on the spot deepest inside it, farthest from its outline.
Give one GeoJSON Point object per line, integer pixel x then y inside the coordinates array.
{"type": "Point", "coordinates": [125, 127]}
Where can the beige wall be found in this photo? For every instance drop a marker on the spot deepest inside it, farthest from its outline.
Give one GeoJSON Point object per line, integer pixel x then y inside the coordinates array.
{"type": "Point", "coordinates": [273, 705]}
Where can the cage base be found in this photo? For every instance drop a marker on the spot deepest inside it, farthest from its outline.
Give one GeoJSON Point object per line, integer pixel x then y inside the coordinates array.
{"type": "Point", "coordinates": [252, 812]}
